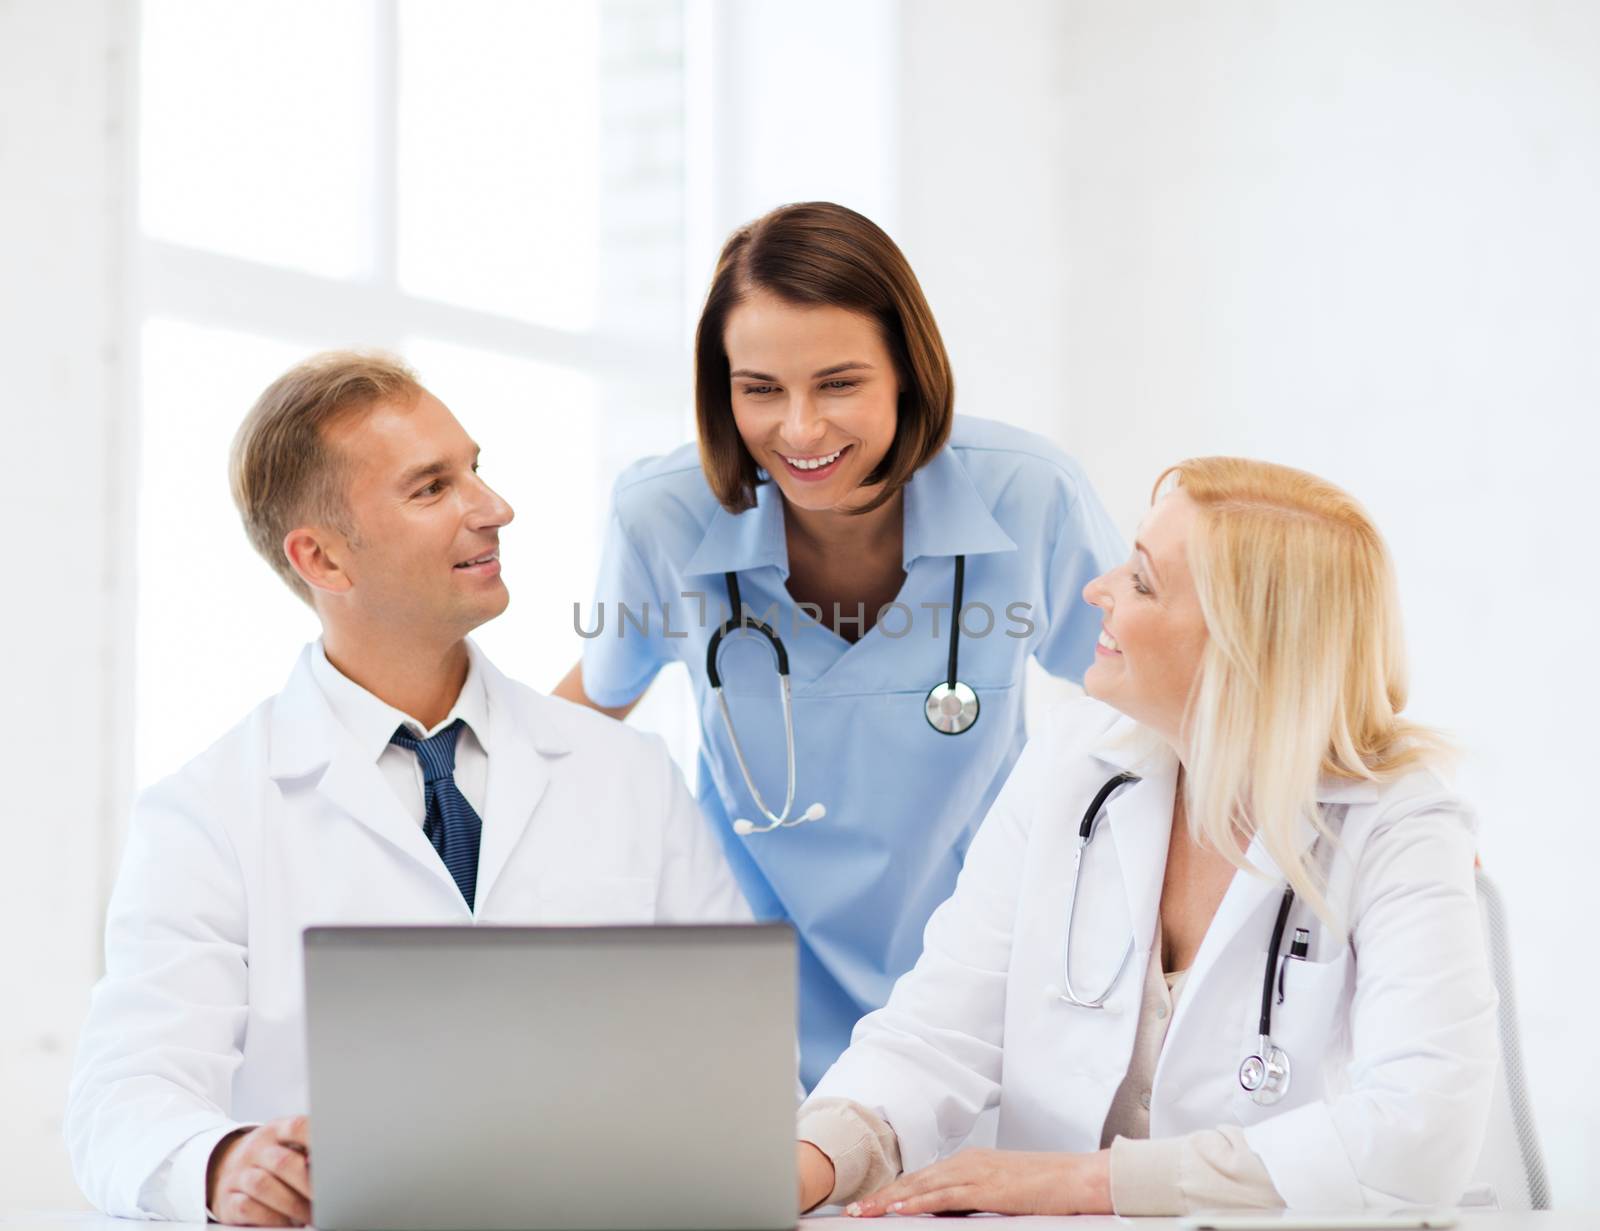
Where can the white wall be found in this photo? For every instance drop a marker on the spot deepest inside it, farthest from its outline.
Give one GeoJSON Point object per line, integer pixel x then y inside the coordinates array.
{"type": "Point", "coordinates": [786, 103]}
{"type": "Point", "coordinates": [65, 622]}
{"type": "Point", "coordinates": [1358, 238]}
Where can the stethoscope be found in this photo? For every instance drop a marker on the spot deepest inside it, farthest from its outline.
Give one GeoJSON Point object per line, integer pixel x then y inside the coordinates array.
{"type": "Point", "coordinates": [951, 706]}
{"type": "Point", "coordinates": [1264, 1073]}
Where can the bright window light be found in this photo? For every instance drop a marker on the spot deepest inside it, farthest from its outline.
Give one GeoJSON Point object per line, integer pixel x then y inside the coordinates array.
{"type": "Point", "coordinates": [499, 141]}
{"type": "Point", "coordinates": [218, 631]}
{"type": "Point", "coordinates": [257, 130]}
{"type": "Point", "coordinates": [269, 133]}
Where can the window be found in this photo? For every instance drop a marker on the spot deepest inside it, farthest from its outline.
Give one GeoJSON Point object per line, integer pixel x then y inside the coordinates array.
{"type": "Point", "coordinates": [492, 188]}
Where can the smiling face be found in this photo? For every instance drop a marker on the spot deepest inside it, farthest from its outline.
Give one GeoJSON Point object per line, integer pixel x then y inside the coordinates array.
{"type": "Point", "coordinates": [1153, 632]}
{"type": "Point", "coordinates": [423, 558]}
{"type": "Point", "coordinates": [815, 397]}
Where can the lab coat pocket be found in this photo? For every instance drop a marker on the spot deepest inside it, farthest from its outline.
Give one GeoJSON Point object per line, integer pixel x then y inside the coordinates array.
{"type": "Point", "coordinates": [1311, 1024]}
{"type": "Point", "coordinates": [1314, 1000]}
{"type": "Point", "coordinates": [598, 900]}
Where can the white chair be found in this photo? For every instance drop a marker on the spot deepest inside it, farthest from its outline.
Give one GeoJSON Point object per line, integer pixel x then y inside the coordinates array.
{"type": "Point", "coordinates": [1512, 1163]}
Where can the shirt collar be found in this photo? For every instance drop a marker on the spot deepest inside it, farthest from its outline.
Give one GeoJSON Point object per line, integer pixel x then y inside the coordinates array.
{"type": "Point", "coordinates": [371, 722]}
{"type": "Point", "coordinates": [946, 515]}
{"type": "Point", "coordinates": [735, 542]}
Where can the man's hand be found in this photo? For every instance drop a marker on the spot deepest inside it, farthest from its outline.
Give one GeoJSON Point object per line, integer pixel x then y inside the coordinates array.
{"type": "Point", "coordinates": [262, 1177]}
{"type": "Point", "coordinates": [998, 1182]}
{"type": "Point", "coordinates": [816, 1174]}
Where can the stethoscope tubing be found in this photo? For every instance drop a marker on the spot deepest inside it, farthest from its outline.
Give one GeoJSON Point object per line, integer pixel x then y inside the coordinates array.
{"type": "Point", "coordinates": [1085, 832]}
{"type": "Point", "coordinates": [1270, 976]}
{"type": "Point", "coordinates": [956, 720]}
{"type": "Point", "coordinates": [739, 623]}
{"type": "Point", "coordinates": [733, 626]}
{"type": "Point", "coordinates": [1270, 1065]}
{"type": "Point", "coordinates": [955, 619]}
{"type": "Point", "coordinates": [951, 707]}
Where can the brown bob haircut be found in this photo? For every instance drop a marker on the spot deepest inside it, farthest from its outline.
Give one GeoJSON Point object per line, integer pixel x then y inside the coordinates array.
{"type": "Point", "coordinates": [821, 254]}
{"type": "Point", "coordinates": [282, 471]}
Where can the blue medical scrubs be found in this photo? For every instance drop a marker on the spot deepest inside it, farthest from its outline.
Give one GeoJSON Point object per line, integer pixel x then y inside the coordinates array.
{"type": "Point", "coordinates": [902, 799]}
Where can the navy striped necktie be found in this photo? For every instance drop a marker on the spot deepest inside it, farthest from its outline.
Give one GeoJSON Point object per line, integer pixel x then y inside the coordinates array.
{"type": "Point", "coordinates": [452, 826]}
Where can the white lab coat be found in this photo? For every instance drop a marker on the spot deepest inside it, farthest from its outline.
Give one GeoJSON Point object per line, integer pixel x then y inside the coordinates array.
{"type": "Point", "coordinates": [198, 1025]}
{"type": "Point", "coordinates": [1389, 1025]}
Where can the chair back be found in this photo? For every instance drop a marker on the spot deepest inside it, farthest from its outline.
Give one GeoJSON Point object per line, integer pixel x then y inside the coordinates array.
{"type": "Point", "coordinates": [1512, 1163]}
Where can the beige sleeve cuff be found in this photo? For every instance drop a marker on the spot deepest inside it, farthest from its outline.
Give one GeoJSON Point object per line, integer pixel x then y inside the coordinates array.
{"type": "Point", "coordinates": [863, 1149]}
{"type": "Point", "coordinates": [1214, 1169]}
{"type": "Point", "coordinates": [1144, 1175]}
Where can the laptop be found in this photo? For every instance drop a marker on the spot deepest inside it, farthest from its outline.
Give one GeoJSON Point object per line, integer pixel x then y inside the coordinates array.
{"type": "Point", "coordinates": [552, 1079]}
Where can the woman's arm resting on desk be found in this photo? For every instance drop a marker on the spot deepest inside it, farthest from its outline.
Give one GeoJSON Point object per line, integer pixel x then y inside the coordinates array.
{"type": "Point", "coordinates": [999, 1182]}
{"type": "Point", "coordinates": [849, 1145]}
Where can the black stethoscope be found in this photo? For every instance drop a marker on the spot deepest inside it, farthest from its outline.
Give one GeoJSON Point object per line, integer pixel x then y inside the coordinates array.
{"type": "Point", "coordinates": [1264, 1073]}
{"type": "Point", "coordinates": [951, 707]}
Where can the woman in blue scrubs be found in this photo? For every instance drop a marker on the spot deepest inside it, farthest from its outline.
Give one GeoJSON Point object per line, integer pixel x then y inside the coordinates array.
{"type": "Point", "coordinates": [835, 492]}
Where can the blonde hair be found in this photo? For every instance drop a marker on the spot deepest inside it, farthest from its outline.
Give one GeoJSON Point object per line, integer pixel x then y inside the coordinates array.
{"type": "Point", "coordinates": [1304, 671]}
{"type": "Point", "coordinates": [281, 469]}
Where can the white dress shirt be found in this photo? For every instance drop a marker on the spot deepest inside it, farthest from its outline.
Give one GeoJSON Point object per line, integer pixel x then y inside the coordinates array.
{"type": "Point", "coordinates": [373, 722]}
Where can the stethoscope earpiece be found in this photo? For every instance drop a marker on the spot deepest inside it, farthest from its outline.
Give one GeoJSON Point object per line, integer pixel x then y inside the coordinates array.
{"type": "Point", "coordinates": [745, 828]}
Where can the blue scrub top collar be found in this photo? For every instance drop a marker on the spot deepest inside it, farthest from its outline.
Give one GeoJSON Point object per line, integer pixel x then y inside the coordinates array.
{"type": "Point", "coordinates": [738, 542]}
{"type": "Point", "coordinates": [946, 515]}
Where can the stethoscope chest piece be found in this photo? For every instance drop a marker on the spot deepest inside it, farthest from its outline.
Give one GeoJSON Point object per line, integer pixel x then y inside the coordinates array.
{"type": "Point", "coordinates": [951, 708]}
{"type": "Point", "coordinates": [1264, 1075]}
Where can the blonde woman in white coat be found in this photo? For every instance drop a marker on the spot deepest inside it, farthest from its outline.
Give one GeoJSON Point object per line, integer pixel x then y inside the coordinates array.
{"type": "Point", "coordinates": [1250, 677]}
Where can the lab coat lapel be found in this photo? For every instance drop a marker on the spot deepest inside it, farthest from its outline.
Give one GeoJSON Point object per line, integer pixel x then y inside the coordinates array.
{"type": "Point", "coordinates": [1247, 904]}
{"type": "Point", "coordinates": [1139, 821]}
{"type": "Point", "coordinates": [1247, 892]}
{"type": "Point", "coordinates": [308, 741]}
{"type": "Point", "coordinates": [522, 744]}
{"type": "Point", "coordinates": [356, 787]}
{"type": "Point", "coordinates": [1263, 882]}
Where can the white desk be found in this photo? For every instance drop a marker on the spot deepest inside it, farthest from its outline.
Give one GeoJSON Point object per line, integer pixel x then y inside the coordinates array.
{"type": "Point", "coordinates": [1549, 1220]}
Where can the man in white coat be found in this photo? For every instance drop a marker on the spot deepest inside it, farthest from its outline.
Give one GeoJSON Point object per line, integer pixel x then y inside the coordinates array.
{"type": "Point", "coordinates": [397, 778]}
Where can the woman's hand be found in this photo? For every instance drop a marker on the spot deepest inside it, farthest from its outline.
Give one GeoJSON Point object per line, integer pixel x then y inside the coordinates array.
{"type": "Point", "coordinates": [998, 1182]}
{"type": "Point", "coordinates": [815, 1170]}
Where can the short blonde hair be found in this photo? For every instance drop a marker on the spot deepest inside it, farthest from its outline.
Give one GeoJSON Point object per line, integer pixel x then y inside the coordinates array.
{"type": "Point", "coordinates": [281, 469]}
{"type": "Point", "coordinates": [1304, 670]}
